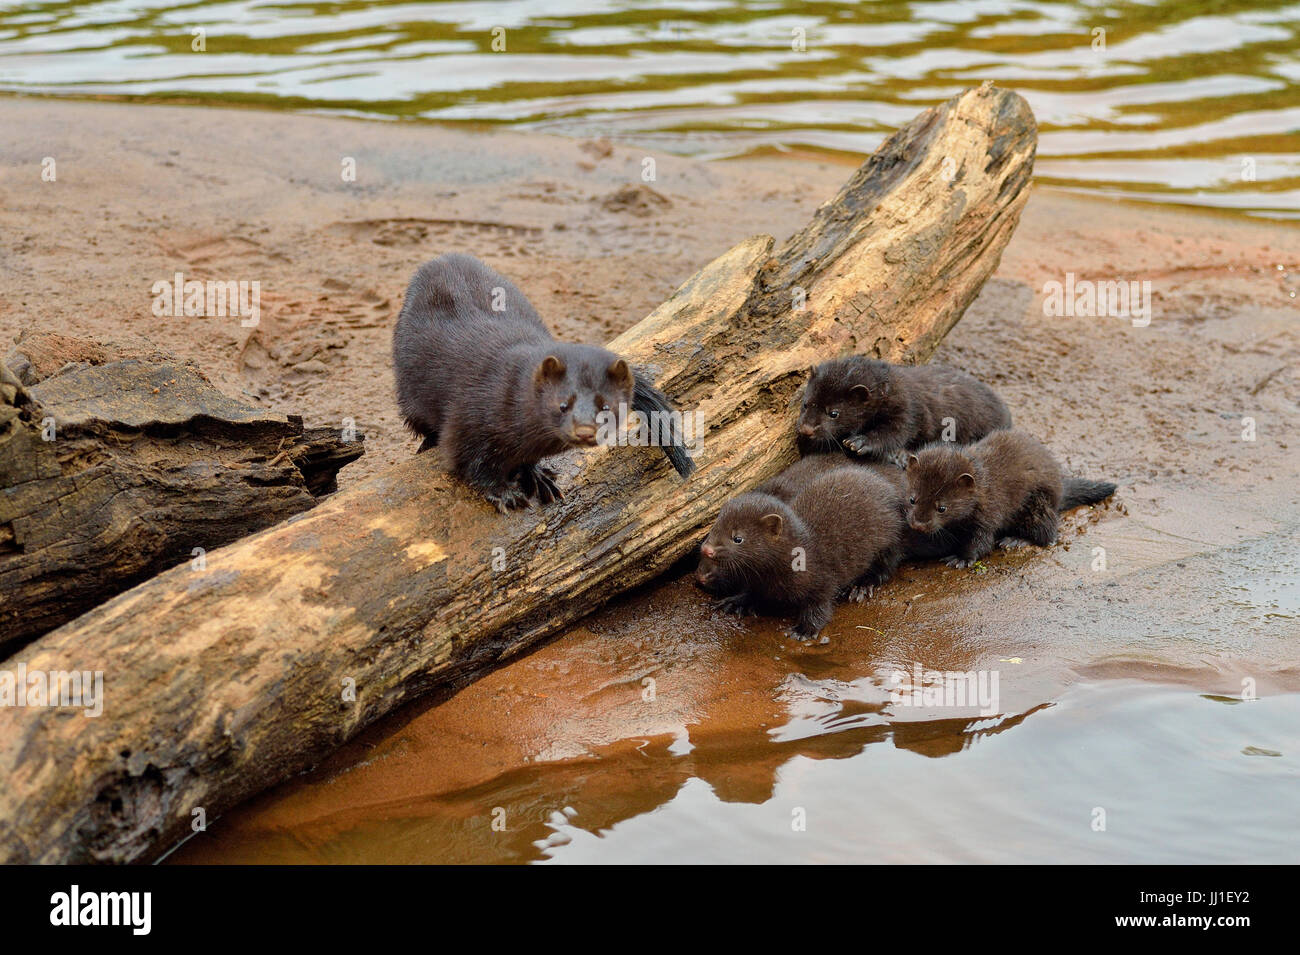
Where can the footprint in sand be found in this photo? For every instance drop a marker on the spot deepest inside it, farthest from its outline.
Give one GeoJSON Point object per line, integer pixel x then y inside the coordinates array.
{"type": "Point", "coordinates": [205, 250]}
{"type": "Point", "coordinates": [501, 238]}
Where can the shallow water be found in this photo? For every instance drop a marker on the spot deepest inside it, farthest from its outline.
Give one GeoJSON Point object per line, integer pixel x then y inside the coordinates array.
{"type": "Point", "coordinates": [1153, 774]}
{"type": "Point", "coordinates": [1188, 103]}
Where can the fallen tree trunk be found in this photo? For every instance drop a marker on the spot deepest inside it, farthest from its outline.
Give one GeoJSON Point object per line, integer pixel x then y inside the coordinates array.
{"type": "Point", "coordinates": [222, 682]}
{"type": "Point", "coordinates": [111, 473]}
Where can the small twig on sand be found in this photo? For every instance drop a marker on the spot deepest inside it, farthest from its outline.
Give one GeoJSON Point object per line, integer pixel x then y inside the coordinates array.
{"type": "Point", "coordinates": [1259, 385]}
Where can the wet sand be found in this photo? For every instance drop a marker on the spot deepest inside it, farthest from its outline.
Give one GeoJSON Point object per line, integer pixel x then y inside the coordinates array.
{"type": "Point", "coordinates": [1201, 586]}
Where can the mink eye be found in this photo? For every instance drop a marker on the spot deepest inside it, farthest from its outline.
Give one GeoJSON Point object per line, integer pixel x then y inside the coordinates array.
{"type": "Point", "coordinates": [737, 539]}
{"type": "Point", "coordinates": [941, 508]}
{"type": "Point", "coordinates": [564, 406]}
{"type": "Point", "coordinates": [911, 500]}
{"type": "Point", "coordinates": [833, 414]}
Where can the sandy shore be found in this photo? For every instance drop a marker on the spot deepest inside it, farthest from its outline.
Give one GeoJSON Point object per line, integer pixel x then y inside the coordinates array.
{"type": "Point", "coordinates": [1201, 544]}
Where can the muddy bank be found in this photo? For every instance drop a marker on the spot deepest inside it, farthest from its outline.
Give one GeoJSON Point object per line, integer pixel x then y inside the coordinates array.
{"type": "Point", "coordinates": [1201, 562]}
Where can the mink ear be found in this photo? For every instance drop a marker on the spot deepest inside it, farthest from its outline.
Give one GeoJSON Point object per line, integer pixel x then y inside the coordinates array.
{"type": "Point", "coordinates": [965, 480]}
{"type": "Point", "coordinates": [550, 370]}
{"type": "Point", "coordinates": [620, 373]}
{"type": "Point", "coordinates": [912, 459]}
{"type": "Point", "coordinates": [772, 523]}
{"type": "Point", "coordinates": [861, 392]}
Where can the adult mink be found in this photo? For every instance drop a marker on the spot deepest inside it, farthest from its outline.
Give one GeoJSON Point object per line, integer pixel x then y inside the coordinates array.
{"type": "Point", "coordinates": [877, 410]}
{"type": "Point", "coordinates": [479, 374]}
{"type": "Point", "coordinates": [1006, 488]}
{"type": "Point", "coordinates": [840, 535]}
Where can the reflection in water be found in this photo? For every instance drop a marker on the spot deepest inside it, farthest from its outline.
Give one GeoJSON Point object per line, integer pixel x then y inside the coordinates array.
{"type": "Point", "coordinates": [868, 788]}
{"type": "Point", "coordinates": [1173, 103]}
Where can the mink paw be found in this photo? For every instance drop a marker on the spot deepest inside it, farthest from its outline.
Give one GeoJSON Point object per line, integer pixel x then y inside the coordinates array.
{"type": "Point", "coordinates": [806, 639]}
{"type": "Point", "coordinates": [735, 605]}
{"type": "Point", "coordinates": [540, 482]}
{"type": "Point", "coordinates": [1012, 543]}
{"type": "Point", "coordinates": [508, 499]}
{"type": "Point", "coordinates": [959, 562]}
{"type": "Point", "coordinates": [861, 593]}
{"type": "Point", "coordinates": [858, 445]}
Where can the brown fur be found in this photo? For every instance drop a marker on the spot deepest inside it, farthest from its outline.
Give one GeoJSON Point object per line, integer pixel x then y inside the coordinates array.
{"type": "Point", "coordinates": [876, 410]}
{"type": "Point", "coordinates": [1007, 486]}
{"type": "Point", "coordinates": [795, 478]}
{"type": "Point", "coordinates": [478, 374]}
{"type": "Point", "coordinates": [846, 523]}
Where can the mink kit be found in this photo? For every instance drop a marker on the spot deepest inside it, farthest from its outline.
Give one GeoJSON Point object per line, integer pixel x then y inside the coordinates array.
{"type": "Point", "coordinates": [874, 409]}
{"type": "Point", "coordinates": [861, 514]}
{"type": "Point", "coordinates": [839, 535]}
{"type": "Point", "coordinates": [1004, 490]}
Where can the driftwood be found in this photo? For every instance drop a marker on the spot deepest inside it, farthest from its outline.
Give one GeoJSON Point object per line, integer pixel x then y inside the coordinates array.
{"type": "Point", "coordinates": [111, 473]}
{"type": "Point", "coordinates": [222, 682]}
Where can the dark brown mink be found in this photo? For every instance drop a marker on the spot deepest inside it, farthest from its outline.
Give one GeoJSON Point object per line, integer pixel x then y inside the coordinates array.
{"type": "Point", "coordinates": [1005, 489]}
{"type": "Point", "coordinates": [797, 476]}
{"type": "Point", "coordinates": [479, 374]}
{"type": "Point", "coordinates": [877, 410]}
{"type": "Point", "coordinates": [838, 536]}
{"type": "Point", "coordinates": [787, 484]}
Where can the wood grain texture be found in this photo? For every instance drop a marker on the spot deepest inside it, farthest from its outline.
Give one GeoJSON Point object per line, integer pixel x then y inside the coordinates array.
{"type": "Point", "coordinates": [146, 462]}
{"type": "Point", "coordinates": [222, 683]}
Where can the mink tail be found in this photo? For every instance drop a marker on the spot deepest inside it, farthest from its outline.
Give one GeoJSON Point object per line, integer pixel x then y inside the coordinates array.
{"type": "Point", "coordinates": [1079, 491]}
{"type": "Point", "coordinates": [650, 401]}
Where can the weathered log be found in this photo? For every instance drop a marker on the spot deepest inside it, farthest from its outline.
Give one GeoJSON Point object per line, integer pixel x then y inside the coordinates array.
{"type": "Point", "coordinates": [222, 682]}
{"type": "Point", "coordinates": [111, 473]}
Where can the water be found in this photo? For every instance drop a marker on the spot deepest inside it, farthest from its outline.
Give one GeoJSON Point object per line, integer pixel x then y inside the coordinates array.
{"type": "Point", "coordinates": [1189, 102]}
{"type": "Point", "coordinates": [1152, 774]}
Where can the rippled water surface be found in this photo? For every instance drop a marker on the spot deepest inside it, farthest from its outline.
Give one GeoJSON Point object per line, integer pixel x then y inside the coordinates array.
{"type": "Point", "coordinates": [1177, 101]}
{"type": "Point", "coordinates": [1151, 775]}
